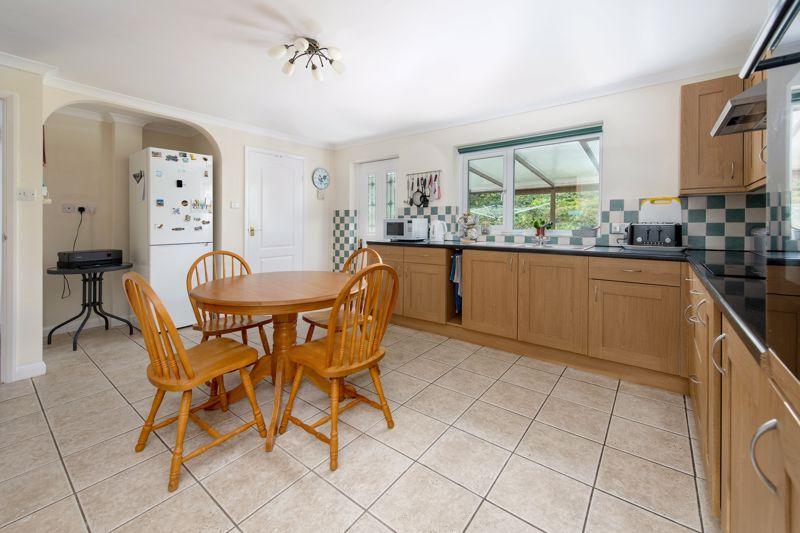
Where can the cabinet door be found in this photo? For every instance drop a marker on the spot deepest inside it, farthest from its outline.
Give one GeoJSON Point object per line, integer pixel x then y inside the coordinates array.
{"type": "Point", "coordinates": [398, 266]}
{"type": "Point", "coordinates": [489, 292]}
{"type": "Point", "coordinates": [635, 324]}
{"type": "Point", "coordinates": [424, 289]}
{"type": "Point", "coordinates": [553, 301]}
{"type": "Point", "coordinates": [747, 504]}
{"type": "Point", "coordinates": [755, 146]}
{"type": "Point", "coordinates": [785, 389]}
{"type": "Point", "coordinates": [709, 163]}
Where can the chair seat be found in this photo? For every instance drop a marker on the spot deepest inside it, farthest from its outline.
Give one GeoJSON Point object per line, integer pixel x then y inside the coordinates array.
{"type": "Point", "coordinates": [312, 355]}
{"type": "Point", "coordinates": [208, 360]}
{"type": "Point", "coordinates": [232, 323]}
{"type": "Point", "coordinates": [318, 318]}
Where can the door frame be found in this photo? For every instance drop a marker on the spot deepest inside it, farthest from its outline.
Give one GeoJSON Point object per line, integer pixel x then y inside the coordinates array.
{"type": "Point", "coordinates": [248, 150]}
{"type": "Point", "coordinates": [380, 199]}
{"type": "Point", "coordinates": [9, 296]}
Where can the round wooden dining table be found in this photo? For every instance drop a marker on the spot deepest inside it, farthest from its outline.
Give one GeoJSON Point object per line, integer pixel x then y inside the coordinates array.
{"type": "Point", "coordinates": [282, 295]}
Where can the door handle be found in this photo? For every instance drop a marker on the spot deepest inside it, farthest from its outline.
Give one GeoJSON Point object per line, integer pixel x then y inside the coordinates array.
{"type": "Point", "coordinates": [252, 231]}
{"type": "Point", "coordinates": [733, 169]}
{"type": "Point", "coordinates": [769, 425]}
{"type": "Point", "coordinates": [630, 270]}
{"type": "Point", "coordinates": [697, 312]}
{"type": "Point", "coordinates": [761, 154]}
{"type": "Point", "coordinates": [719, 338]}
{"type": "Point", "coordinates": [524, 266]}
{"type": "Point", "coordinates": [688, 318]}
{"type": "Point", "coordinates": [510, 262]}
{"type": "Point", "coordinates": [595, 293]}
{"type": "Point", "coordinates": [695, 292]}
{"type": "Point", "coordinates": [694, 379]}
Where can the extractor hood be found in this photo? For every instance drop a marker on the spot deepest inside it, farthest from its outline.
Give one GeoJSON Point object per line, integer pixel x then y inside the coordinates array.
{"type": "Point", "coordinates": [747, 111]}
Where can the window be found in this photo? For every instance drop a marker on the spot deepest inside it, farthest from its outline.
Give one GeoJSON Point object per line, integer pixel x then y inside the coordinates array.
{"type": "Point", "coordinates": [376, 196]}
{"type": "Point", "coordinates": [555, 177]}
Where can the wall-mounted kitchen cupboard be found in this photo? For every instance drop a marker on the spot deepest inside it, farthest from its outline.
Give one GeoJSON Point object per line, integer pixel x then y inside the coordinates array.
{"type": "Point", "coordinates": [724, 164]}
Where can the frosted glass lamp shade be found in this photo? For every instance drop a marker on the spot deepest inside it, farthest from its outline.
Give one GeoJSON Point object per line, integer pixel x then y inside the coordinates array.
{"type": "Point", "coordinates": [288, 68]}
{"type": "Point", "coordinates": [277, 51]}
{"type": "Point", "coordinates": [338, 66]}
{"type": "Point", "coordinates": [317, 72]}
{"type": "Point", "coordinates": [334, 53]}
{"type": "Point", "coordinates": [301, 44]}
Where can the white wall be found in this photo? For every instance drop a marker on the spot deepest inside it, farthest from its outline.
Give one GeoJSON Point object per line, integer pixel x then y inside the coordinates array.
{"type": "Point", "coordinates": [640, 147]}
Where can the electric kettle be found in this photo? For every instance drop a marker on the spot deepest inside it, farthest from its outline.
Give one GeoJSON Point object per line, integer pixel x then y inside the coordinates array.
{"type": "Point", "coordinates": [437, 230]}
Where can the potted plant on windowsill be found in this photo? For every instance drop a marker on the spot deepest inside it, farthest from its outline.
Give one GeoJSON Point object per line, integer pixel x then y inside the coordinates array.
{"type": "Point", "coordinates": [541, 225]}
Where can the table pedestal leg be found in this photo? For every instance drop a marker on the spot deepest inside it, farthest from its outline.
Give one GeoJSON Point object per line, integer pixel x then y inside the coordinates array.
{"type": "Point", "coordinates": [284, 337]}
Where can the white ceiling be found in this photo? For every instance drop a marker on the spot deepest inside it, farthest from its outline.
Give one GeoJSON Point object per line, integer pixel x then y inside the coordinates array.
{"type": "Point", "coordinates": [412, 65]}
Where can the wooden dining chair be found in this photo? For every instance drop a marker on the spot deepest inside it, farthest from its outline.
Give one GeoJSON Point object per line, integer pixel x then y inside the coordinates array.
{"type": "Point", "coordinates": [357, 323]}
{"type": "Point", "coordinates": [358, 261]}
{"type": "Point", "coordinates": [217, 265]}
{"type": "Point", "coordinates": [174, 368]}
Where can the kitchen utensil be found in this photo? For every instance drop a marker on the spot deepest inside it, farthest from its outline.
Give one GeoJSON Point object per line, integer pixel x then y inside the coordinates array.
{"type": "Point", "coordinates": [437, 230]}
{"type": "Point", "coordinates": [662, 209]}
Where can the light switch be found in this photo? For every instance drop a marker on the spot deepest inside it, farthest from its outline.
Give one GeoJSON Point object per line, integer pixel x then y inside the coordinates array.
{"type": "Point", "coordinates": [26, 195]}
{"type": "Point", "coordinates": [235, 205]}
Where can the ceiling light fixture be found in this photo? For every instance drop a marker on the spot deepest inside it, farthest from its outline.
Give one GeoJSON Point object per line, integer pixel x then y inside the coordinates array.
{"type": "Point", "coordinates": [310, 48]}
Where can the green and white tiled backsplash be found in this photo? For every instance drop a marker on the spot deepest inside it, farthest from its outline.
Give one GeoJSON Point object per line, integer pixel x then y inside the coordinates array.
{"type": "Point", "coordinates": [713, 222]}
{"type": "Point", "coordinates": [345, 238]}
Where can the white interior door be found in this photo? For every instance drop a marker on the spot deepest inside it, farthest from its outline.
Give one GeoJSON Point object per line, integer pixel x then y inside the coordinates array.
{"type": "Point", "coordinates": [274, 205]}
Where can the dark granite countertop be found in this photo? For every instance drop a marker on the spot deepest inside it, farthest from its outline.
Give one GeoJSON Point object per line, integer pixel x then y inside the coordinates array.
{"type": "Point", "coordinates": [741, 300]}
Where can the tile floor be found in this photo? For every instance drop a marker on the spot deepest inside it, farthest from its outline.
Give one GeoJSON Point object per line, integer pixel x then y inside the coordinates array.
{"type": "Point", "coordinates": [484, 440]}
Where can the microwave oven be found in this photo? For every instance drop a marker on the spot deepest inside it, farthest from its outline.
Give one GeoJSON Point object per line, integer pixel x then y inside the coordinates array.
{"type": "Point", "coordinates": [406, 229]}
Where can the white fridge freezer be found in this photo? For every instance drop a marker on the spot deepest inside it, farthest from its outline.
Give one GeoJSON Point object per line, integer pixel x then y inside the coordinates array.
{"type": "Point", "coordinates": [169, 264]}
{"type": "Point", "coordinates": [171, 221]}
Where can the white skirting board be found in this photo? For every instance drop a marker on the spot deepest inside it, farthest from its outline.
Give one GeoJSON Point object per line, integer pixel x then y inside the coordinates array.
{"type": "Point", "coordinates": [30, 370]}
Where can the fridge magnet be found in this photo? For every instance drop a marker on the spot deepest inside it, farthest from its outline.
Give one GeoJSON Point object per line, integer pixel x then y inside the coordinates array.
{"type": "Point", "coordinates": [205, 159]}
{"type": "Point", "coordinates": [188, 218]}
{"type": "Point", "coordinates": [178, 228]}
{"type": "Point", "coordinates": [182, 154]}
{"type": "Point", "coordinates": [205, 174]}
{"type": "Point", "coordinates": [192, 157]}
{"type": "Point", "coordinates": [155, 154]}
{"type": "Point", "coordinates": [176, 210]}
{"type": "Point", "coordinates": [198, 228]}
{"type": "Point", "coordinates": [184, 203]}
{"type": "Point", "coordinates": [137, 176]}
{"type": "Point", "coordinates": [206, 222]}
{"type": "Point", "coordinates": [159, 202]}
{"type": "Point", "coordinates": [172, 158]}
{"type": "Point", "coordinates": [158, 173]}
{"type": "Point", "coordinates": [159, 226]}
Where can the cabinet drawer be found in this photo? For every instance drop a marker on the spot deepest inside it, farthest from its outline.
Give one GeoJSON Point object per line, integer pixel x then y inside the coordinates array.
{"type": "Point", "coordinates": [428, 256]}
{"type": "Point", "coordinates": [393, 253]}
{"type": "Point", "coordinates": [636, 271]}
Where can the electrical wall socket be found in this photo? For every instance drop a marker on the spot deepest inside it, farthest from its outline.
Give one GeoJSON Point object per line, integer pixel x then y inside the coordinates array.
{"type": "Point", "coordinates": [619, 228]}
{"type": "Point", "coordinates": [73, 208]}
{"type": "Point", "coordinates": [26, 195]}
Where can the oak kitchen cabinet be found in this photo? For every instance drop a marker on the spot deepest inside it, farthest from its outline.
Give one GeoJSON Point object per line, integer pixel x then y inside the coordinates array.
{"type": "Point", "coordinates": [425, 286]}
{"type": "Point", "coordinates": [729, 163]}
{"type": "Point", "coordinates": [489, 292]}
{"type": "Point", "coordinates": [553, 301]}
{"type": "Point", "coordinates": [393, 256]}
{"type": "Point", "coordinates": [634, 312]}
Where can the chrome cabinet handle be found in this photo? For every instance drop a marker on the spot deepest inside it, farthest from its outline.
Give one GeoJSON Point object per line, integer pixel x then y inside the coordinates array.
{"type": "Point", "coordinates": [761, 154]}
{"type": "Point", "coordinates": [719, 338]}
{"type": "Point", "coordinates": [694, 379]}
{"type": "Point", "coordinates": [524, 266]}
{"type": "Point", "coordinates": [769, 425]}
{"type": "Point", "coordinates": [695, 292]}
{"type": "Point", "coordinates": [595, 293]}
{"type": "Point", "coordinates": [687, 318]}
{"type": "Point", "coordinates": [510, 262]}
{"type": "Point", "coordinates": [733, 169]}
{"type": "Point", "coordinates": [630, 270]}
{"type": "Point", "coordinates": [697, 311]}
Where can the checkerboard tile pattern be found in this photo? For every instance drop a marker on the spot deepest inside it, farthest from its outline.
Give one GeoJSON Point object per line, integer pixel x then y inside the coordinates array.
{"type": "Point", "coordinates": [345, 238]}
{"type": "Point", "coordinates": [484, 440]}
{"type": "Point", "coordinates": [446, 213]}
{"type": "Point", "coordinates": [782, 235]}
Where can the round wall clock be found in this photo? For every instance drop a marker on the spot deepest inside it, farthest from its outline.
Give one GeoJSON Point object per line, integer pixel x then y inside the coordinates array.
{"type": "Point", "coordinates": [321, 178]}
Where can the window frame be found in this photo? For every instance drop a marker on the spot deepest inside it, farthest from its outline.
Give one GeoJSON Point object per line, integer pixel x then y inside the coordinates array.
{"type": "Point", "coordinates": [509, 183]}
{"type": "Point", "coordinates": [380, 169]}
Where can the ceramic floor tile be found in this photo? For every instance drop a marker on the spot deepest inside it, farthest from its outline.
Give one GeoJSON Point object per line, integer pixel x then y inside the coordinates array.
{"type": "Point", "coordinates": [109, 457]}
{"type": "Point", "coordinates": [494, 424]}
{"type": "Point", "coordinates": [32, 491]}
{"type": "Point", "coordinates": [530, 378]}
{"type": "Point", "coordinates": [485, 365]}
{"type": "Point", "coordinates": [564, 452]}
{"type": "Point", "coordinates": [442, 404]}
{"type": "Point", "coordinates": [467, 460]}
{"type": "Point", "coordinates": [63, 357]}
{"type": "Point", "coordinates": [589, 423]}
{"type": "Point", "coordinates": [397, 355]}
{"type": "Point", "coordinates": [292, 511]}
{"type": "Point", "coordinates": [366, 469]}
{"type": "Point", "coordinates": [522, 401]}
{"type": "Point", "coordinates": [432, 337]}
{"type": "Point", "coordinates": [424, 369]}
{"type": "Point", "coordinates": [651, 443]}
{"type": "Point", "coordinates": [422, 500]}
{"type": "Point", "coordinates": [540, 496]}
{"type": "Point", "coordinates": [70, 383]}
{"type": "Point", "coordinates": [591, 377]}
{"type": "Point", "coordinates": [18, 407]}
{"type": "Point", "coordinates": [465, 382]}
{"type": "Point", "coordinates": [368, 524]}
{"type": "Point", "coordinates": [363, 416]}
{"type": "Point", "coordinates": [95, 404]}
{"type": "Point", "coordinates": [652, 412]}
{"type": "Point", "coordinates": [252, 480]}
{"type": "Point", "coordinates": [500, 355]}
{"type": "Point", "coordinates": [64, 516]}
{"type": "Point", "coordinates": [491, 518]}
{"type": "Point", "coordinates": [16, 389]}
{"type": "Point", "coordinates": [188, 510]}
{"type": "Point", "coordinates": [585, 394]}
{"type": "Point", "coordinates": [697, 459]}
{"type": "Point", "coordinates": [169, 405]}
{"type": "Point", "coordinates": [608, 514]}
{"type": "Point", "coordinates": [544, 366]}
{"type": "Point", "coordinates": [446, 354]}
{"type": "Point", "coordinates": [660, 489]}
{"type": "Point", "coordinates": [27, 455]}
{"type": "Point", "coordinates": [92, 430]}
{"type": "Point", "coordinates": [415, 345]}
{"type": "Point", "coordinates": [114, 501]}
{"type": "Point", "coordinates": [653, 393]}
{"type": "Point", "coordinates": [399, 387]}
{"type": "Point", "coordinates": [22, 428]}
{"type": "Point", "coordinates": [215, 458]}
{"type": "Point", "coordinates": [412, 434]}
{"type": "Point", "coordinates": [461, 346]}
